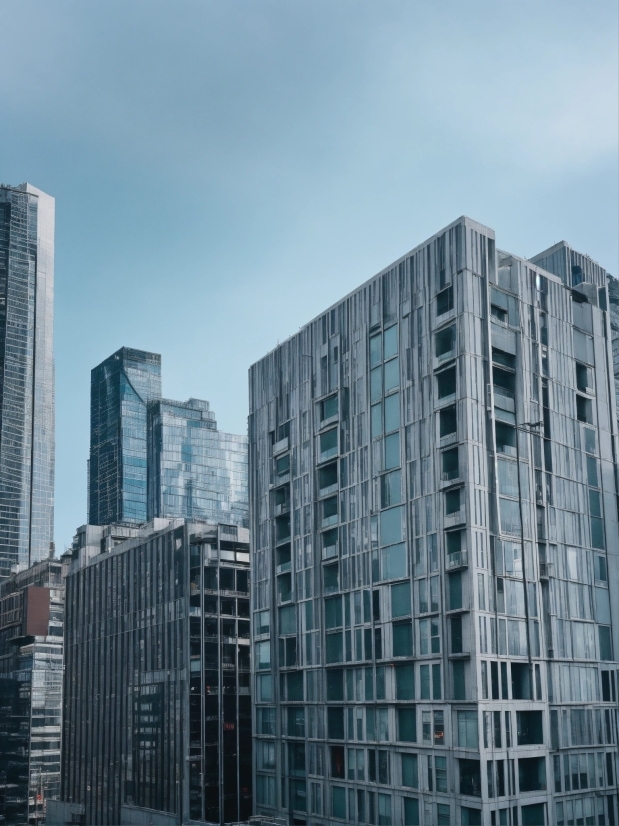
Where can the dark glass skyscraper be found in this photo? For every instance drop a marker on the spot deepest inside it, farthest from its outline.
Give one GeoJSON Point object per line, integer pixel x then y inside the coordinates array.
{"type": "Point", "coordinates": [194, 470]}
{"type": "Point", "coordinates": [120, 389]}
{"type": "Point", "coordinates": [26, 376]}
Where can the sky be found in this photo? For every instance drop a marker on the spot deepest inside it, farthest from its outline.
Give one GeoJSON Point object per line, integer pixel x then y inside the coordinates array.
{"type": "Point", "coordinates": [224, 171]}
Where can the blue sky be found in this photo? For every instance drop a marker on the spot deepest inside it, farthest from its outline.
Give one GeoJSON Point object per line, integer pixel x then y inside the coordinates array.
{"type": "Point", "coordinates": [223, 171]}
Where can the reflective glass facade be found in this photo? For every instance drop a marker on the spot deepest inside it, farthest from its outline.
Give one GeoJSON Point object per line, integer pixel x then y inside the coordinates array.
{"type": "Point", "coordinates": [31, 628]}
{"type": "Point", "coordinates": [157, 707]}
{"type": "Point", "coordinates": [120, 389]}
{"type": "Point", "coordinates": [194, 470]}
{"type": "Point", "coordinates": [26, 376]}
{"type": "Point", "coordinates": [435, 547]}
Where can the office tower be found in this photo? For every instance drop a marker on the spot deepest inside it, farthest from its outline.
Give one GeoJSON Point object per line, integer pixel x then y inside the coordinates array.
{"type": "Point", "coordinates": [26, 376]}
{"type": "Point", "coordinates": [120, 389]}
{"type": "Point", "coordinates": [157, 708]}
{"type": "Point", "coordinates": [31, 620]}
{"type": "Point", "coordinates": [194, 470]}
{"type": "Point", "coordinates": [434, 545]}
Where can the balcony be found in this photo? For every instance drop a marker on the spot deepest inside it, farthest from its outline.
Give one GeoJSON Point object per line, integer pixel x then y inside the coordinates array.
{"type": "Point", "coordinates": [285, 566]}
{"type": "Point", "coordinates": [459, 559]}
{"type": "Point", "coordinates": [281, 446]}
{"type": "Point", "coordinates": [546, 570]}
{"type": "Point", "coordinates": [504, 399]}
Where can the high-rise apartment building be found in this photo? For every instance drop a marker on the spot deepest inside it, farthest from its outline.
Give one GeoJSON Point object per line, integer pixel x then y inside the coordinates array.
{"type": "Point", "coordinates": [157, 708]}
{"type": "Point", "coordinates": [31, 626]}
{"type": "Point", "coordinates": [120, 389]}
{"type": "Point", "coordinates": [194, 470]}
{"type": "Point", "coordinates": [435, 545]}
{"type": "Point", "coordinates": [26, 376]}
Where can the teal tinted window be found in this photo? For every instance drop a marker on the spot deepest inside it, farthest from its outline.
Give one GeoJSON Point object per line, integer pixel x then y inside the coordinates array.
{"type": "Point", "coordinates": [597, 533]}
{"type": "Point", "coordinates": [391, 489]}
{"type": "Point", "coordinates": [288, 620]}
{"type": "Point", "coordinates": [329, 407]}
{"type": "Point", "coordinates": [401, 599]}
{"type": "Point", "coordinates": [407, 725]}
{"type": "Point", "coordinates": [338, 803]}
{"type": "Point", "coordinates": [390, 342]}
{"type": "Point", "coordinates": [376, 383]}
{"type": "Point", "coordinates": [376, 350]}
{"type": "Point", "coordinates": [335, 723]}
{"type": "Point", "coordinates": [402, 639]}
{"type": "Point", "coordinates": [393, 561]}
{"type": "Point", "coordinates": [410, 774]}
{"type": "Point", "coordinates": [377, 420]}
{"type": "Point", "coordinates": [335, 647]}
{"type": "Point", "coordinates": [392, 451]}
{"type": "Point", "coordinates": [405, 681]}
{"type": "Point", "coordinates": [335, 684]}
{"type": "Point", "coordinates": [392, 374]}
{"type": "Point", "coordinates": [391, 526]}
{"type": "Point", "coordinates": [392, 412]}
{"type": "Point", "coordinates": [459, 686]}
{"type": "Point", "coordinates": [328, 443]}
{"type": "Point", "coordinates": [333, 612]}
{"type": "Point", "coordinates": [411, 811]}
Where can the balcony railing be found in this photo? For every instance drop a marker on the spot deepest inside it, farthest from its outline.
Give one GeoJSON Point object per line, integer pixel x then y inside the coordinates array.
{"type": "Point", "coordinates": [546, 569]}
{"type": "Point", "coordinates": [459, 559]}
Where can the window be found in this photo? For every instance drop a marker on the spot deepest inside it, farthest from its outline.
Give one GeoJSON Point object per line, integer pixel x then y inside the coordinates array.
{"type": "Point", "coordinates": [429, 636]}
{"type": "Point", "coordinates": [400, 600]}
{"type": "Point", "coordinates": [439, 728]}
{"type": "Point", "coordinates": [584, 378]}
{"type": "Point", "coordinates": [384, 809]}
{"type": "Point", "coordinates": [505, 438]}
{"type": "Point", "coordinates": [454, 585]}
{"type": "Point", "coordinates": [584, 409]}
{"type": "Point", "coordinates": [391, 489]}
{"type": "Point", "coordinates": [452, 501]}
{"type": "Point", "coordinates": [503, 358]}
{"type": "Point", "coordinates": [604, 639]}
{"type": "Point", "coordinates": [265, 789]}
{"type": "Point", "coordinates": [282, 465]}
{"type": "Point", "coordinates": [510, 516]}
{"type": "Point", "coordinates": [392, 374]}
{"type": "Point", "coordinates": [333, 612]}
{"type": "Point", "coordinates": [507, 477]}
{"type": "Point", "coordinates": [392, 412]}
{"type": "Point", "coordinates": [266, 720]}
{"type": "Point", "coordinates": [411, 811]}
{"type": "Point", "coordinates": [407, 724]}
{"type": "Point", "coordinates": [329, 408]}
{"type": "Point", "coordinates": [583, 347]}
{"type": "Point", "coordinates": [265, 687]}
{"type": "Point", "coordinates": [446, 383]}
{"type": "Point", "coordinates": [335, 723]}
{"type": "Point", "coordinates": [530, 728]}
{"type": "Point", "coordinates": [532, 774]}
{"type": "Point", "coordinates": [329, 511]}
{"type": "Point", "coordinates": [455, 624]}
{"type": "Point", "coordinates": [390, 342]}
{"type": "Point", "coordinates": [410, 777]}
{"type": "Point", "coordinates": [327, 476]}
{"type": "Point", "coordinates": [445, 341]}
{"type": "Point", "coordinates": [376, 350]}
{"type": "Point", "coordinates": [393, 561]}
{"type": "Point", "coordinates": [392, 451]}
{"type": "Point", "coordinates": [329, 543]}
{"type": "Point", "coordinates": [288, 620]}
{"type": "Point", "coordinates": [262, 620]}
{"type": "Point", "coordinates": [335, 684]}
{"type": "Point", "coordinates": [331, 575]}
{"type": "Point", "coordinates": [459, 685]}
{"type": "Point", "coordinates": [263, 654]}
{"type": "Point", "coordinates": [328, 443]}
{"type": "Point", "coordinates": [402, 639]}
{"type": "Point", "coordinates": [338, 802]}
{"type": "Point", "coordinates": [448, 422]}
{"type": "Point", "coordinates": [444, 301]}
{"type": "Point", "coordinates": [337, 761]}
{"type": "Point", "coordinates": [405, 681]}
{"type": "Point", "coordinates": [533, 815]}
{"type": "Point", "coordinates": [470, 817]}
{"type": "Point", "coordinates": [470, 777]}
{"type": "Point", "coordinates": [468, 734]}
{"type": "Point", "coordinates": [335, 647]}
{"type": "Point", "coordinates": [449, 464]}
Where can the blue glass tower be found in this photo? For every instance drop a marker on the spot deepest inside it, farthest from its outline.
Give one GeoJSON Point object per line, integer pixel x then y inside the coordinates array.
{"type": "Point", "coordinates": [194, 470]}
{"type": "Point", "coordinates": [26, 376]}
{"type": "Point", "coordinates": [120, 389]}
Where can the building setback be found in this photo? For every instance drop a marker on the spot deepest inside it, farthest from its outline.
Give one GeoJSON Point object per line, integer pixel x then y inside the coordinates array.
{"type": "Point", "coordinates": [194, 470]}
{"type": "Point", "coordinates": [26, 376]}
{"type": "Point", "coordinates": [157, 708]}
{"type": "Point", "coordinates": [31, 624]}
{"type": "Point", "coordinates": [120, 389]}
{"type": "Point", "coordinates": [434, 544]}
